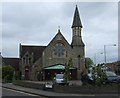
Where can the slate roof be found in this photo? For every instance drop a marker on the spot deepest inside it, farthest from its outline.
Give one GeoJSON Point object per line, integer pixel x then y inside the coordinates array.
{"type": "Point", "coordinates": [36, 50]}
{"type": "Point", "coordinates": [11, 61]}
{"type": "Point", "coordinates": [76, 19]}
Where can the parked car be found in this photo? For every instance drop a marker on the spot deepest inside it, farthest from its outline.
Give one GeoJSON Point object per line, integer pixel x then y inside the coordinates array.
{"type": "Point", "coordinates": [90, 77]}
{"type": "Point", "coordinates": [118, 78]}
{"type": "Point", "coordinates": [48, 85]}
{"type": "Point", "coordinates": [87, 78]}
{"type": "Point", "coordinates": [58, 79]}
{"type": "Point", "coordinates": [111, 77]}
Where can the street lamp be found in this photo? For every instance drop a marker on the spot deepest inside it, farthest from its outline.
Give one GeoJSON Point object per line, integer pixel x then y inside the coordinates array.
{"type": "Point", "coordinates": [105, 51]}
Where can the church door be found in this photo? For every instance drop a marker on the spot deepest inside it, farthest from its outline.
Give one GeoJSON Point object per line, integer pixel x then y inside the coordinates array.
{"type": "Point", "coordinates": [26, 73]}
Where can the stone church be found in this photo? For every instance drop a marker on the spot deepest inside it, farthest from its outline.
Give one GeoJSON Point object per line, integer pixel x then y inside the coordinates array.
{"type": "Point", "coordinates": [43, 62]}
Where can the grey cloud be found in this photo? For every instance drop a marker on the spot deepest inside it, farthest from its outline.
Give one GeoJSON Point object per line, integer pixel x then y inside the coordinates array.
{"type": "Point", "coordinates": [37, 23]}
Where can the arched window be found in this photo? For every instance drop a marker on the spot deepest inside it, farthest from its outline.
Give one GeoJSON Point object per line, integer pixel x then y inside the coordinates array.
{"type": "Point", "coordinates": [59, 50]}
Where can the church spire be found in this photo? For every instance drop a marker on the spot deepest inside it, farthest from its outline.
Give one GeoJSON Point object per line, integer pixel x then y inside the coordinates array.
{"type": "Point", "coordinates": [76, 19]}
{"type": "Point", "coordinates": [76, 29]}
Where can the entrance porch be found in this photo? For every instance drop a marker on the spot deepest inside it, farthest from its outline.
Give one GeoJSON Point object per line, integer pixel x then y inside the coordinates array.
{"type": "Point", "coordinates": [50, 71]}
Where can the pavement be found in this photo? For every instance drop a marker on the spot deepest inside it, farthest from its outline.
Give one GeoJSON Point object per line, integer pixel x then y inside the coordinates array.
{"type": "Point", "coordinates": [51, 94]}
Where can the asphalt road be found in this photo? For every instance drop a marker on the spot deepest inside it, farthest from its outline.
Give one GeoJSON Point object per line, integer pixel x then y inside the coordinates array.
{"type": "Point", "coordinates": [8, 93]}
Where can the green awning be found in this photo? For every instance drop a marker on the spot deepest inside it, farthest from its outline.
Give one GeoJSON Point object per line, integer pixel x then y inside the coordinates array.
{"type": "Point", "coordinates": [57, 67]}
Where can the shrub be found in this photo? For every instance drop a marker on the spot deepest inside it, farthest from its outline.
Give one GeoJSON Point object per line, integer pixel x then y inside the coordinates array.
{"type": "Point", "coordinates": [7, 73]}
{"type": "Point", "coordinates": [17, 76]}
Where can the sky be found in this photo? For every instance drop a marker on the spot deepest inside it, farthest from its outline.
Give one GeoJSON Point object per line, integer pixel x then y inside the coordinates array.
{"type": "Point", "coordinates": [36, 23]}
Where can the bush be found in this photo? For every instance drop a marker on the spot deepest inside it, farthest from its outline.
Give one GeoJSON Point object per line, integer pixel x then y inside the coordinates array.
{"type": "Point", "coordinates": [98, 75]}
{"type": "Point", "coordinates": [17, 76]}
{"type": "Point", "coordinates": [7, 73]}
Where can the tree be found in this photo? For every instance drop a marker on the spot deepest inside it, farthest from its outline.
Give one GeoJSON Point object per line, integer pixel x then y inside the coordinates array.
{"type": "Point", "coordinates": [7, 73]}
{"type": "Point", "coordinates": [99, 76]}
{"type": "Point", "coordinates": [68, 65]}
{"type": "Point", "coordinates": [88, 62]}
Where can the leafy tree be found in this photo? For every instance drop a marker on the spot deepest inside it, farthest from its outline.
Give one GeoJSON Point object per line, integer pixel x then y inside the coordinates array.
{"type": "Point", "coordinates": [7, 73]}
{"type": "Point", "coordinates": [88, 62]}
{"type": "Point", "coordinates": [98, 75]}
{"type": "Point", "coordinates": [68, 65]}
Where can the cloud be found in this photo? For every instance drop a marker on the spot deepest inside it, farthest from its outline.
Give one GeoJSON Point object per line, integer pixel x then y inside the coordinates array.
{"type": "Point", "coordinates": [37, 23]}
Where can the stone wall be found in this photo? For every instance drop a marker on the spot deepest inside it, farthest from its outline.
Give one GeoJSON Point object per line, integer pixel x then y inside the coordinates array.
{"type": "Point", "coordinates": [29, 84]}
{"type": "Point", "coordinates": [48, 56]}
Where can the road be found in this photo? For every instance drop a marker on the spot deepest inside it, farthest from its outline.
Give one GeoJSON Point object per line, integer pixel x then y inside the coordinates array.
{"type": "Point", "coordinates": [8, 93]}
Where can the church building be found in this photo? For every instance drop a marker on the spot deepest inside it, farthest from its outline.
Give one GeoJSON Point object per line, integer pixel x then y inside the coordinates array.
{"type": "Point", "coordinates": [43, 62]}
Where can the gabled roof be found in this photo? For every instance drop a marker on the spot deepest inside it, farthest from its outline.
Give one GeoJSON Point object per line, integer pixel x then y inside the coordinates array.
{"type": "Point", "coordinates": [11, 61]}
{"type": "Point", "coordinates": [76, 19]}
{"type": "Point", "coordinates": [59, 34]}
{"type": "Point", "coordinates": [35, 50]}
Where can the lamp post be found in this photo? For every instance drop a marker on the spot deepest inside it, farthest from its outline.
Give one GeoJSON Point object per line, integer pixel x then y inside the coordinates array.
{"type": "Point", "coordinates": [105, 52]}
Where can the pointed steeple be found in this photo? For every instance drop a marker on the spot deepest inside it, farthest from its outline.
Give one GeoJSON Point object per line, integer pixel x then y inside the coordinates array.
{"type": "Point", "coordinates": [76, 19]}
{"type": "Point", "coordinates": [76, 29]}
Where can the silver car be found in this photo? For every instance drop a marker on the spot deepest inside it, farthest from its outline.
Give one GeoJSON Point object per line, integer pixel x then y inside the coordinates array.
{"type": "Point", "coordinates": [111, 76]}
{"type": "Point", "coordinates": [58, 79]}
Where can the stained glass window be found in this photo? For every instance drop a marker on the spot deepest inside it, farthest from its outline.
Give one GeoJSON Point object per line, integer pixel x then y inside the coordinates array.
{"type": "Point", "coordinates": [59, 49]}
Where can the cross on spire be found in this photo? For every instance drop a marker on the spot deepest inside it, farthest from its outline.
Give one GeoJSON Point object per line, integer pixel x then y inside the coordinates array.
{"type": "Point", "coordinates": [58, 28]}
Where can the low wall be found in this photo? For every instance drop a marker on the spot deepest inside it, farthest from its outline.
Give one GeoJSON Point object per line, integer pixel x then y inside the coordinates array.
{"type": "Point", "coordinates": [105, 89]}
{"type": "Point", "coordinates": [28, 84]}
{"type": "Point", "coordinates": [88, 90]}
